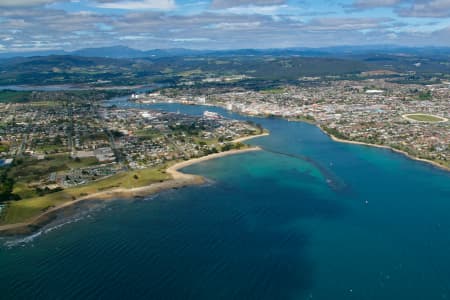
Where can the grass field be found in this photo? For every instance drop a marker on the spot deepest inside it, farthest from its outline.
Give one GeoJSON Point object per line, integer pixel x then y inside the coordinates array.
{"type": "Point", "coordinates": [274, 91]}
{"type": "Point", "coordinates": [32, 169]}
{"type": "Point", "coordinates": [20, 211]}
{"type": "Point", "coordinates": [424, 118]}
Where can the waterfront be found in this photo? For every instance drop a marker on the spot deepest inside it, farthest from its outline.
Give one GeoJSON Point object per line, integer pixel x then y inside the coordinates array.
{"type": "Point", "coordinates": [305, 218]}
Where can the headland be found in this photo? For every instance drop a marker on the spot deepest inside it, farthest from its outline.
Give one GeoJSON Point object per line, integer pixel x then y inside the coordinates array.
{"type": "Point", "coordinates": [177, 179]}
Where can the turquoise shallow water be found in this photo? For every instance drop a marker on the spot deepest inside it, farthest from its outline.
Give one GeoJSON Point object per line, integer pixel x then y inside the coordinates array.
{"type": "Point", "coordinates": [307, 218]}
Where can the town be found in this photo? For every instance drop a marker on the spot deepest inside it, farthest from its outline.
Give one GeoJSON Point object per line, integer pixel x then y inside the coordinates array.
{"type": "Point", "coordinates": [48, 146]}
{"type": "Point", "coordinates": [372, 111]}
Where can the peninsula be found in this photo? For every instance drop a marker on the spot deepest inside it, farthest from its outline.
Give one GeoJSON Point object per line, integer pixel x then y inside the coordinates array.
{"type": "Point", "coordinates": [175, 179]}
{"type": "Point", "coordinates": [56, 153]}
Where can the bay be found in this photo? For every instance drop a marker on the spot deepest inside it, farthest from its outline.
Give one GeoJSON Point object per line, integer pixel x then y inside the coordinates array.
{"type": "Point", "coordinates": [306, 218]}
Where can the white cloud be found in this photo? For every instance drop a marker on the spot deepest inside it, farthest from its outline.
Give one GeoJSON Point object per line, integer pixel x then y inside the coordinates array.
{"type": "Point", "coordinates": [427, 9]}
{"type": "Point", "coordinates": [234, 26]}
{"type": "Point", "coordinates": [364, 4]}
{"type": "Point", "coordinates": [220, 4]}
{"type": "Point", "coordinates": [133, 38]}
{"type": "Point", "coordinates": [195, 40]}
{"type": "Point", "coordinates": [136, 5]}
{"type": "Point", "coordinates": [392, 36]}
{"type": "Point", "coordinates": [346, 24]}
{"type": "Point", "coordinates": [409, 8]}
{"type": "Point", "coordinates": [212, 29]}
{"type": "Point", "coordinates": [21, 3]}
{"type": "Point", "coordinates": [271, 10]}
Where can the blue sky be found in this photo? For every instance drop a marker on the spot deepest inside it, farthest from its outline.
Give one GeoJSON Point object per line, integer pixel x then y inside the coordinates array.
{"type": "Point", "coordinates": [31, 25]}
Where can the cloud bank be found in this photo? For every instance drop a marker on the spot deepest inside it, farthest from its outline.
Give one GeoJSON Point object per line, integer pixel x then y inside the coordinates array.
{"type": "Point", "coordinates": [149, 24]}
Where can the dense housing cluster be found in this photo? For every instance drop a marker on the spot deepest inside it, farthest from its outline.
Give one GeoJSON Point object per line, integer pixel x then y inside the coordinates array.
{"type": "Point", "coordinates": [370, 111]}
{"type": "Point", "coordinates": [46, 146]}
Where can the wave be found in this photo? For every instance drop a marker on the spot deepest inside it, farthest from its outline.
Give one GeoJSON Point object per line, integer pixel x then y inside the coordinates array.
{"type": "Point", "coordinates": [29, 239]}
{"type": "Point", "coordinates": [53, 226]}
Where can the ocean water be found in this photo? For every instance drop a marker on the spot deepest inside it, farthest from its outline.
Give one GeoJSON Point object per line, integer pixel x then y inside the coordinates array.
{"type": "Point", "coordinates": [306, 218]}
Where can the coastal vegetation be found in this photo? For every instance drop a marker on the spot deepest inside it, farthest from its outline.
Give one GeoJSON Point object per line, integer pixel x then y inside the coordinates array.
{"type": "Point", "coordinates": [305, 118]}
{"type": "Point", "coordinates": [6, 186]}
{"type": "Point", "coordinates": [334, 132]}
{"type": "Point", "coordinates": [19, 211]}
{"type": "Point", "coordinates": [36, 204]}
{"type": "Point", "coordinates": [28, 170]}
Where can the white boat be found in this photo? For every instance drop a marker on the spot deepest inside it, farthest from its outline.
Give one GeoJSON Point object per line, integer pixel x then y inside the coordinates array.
{"type": "Point", "coordinates": [211, 115]}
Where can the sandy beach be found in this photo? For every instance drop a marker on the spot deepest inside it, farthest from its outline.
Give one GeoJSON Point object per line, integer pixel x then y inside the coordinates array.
{"type": "Point", "coordinates": [246, 138]}
{"type": "Point", "coordinates": [178, 180]}
{"type": "Point", "coordinates": [336, 139]}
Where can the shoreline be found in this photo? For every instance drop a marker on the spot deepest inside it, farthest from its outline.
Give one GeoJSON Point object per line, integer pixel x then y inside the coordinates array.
{"type": "Point", "coordinates": [339, 140]}
{"type": "Point", "coordinates": [178, 180]}
{"type": "Point", "coordinates": [336, 139]}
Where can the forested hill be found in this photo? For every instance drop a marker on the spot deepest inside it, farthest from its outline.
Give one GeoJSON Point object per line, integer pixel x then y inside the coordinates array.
{"type": "Point", "coordinates": [70, 69]}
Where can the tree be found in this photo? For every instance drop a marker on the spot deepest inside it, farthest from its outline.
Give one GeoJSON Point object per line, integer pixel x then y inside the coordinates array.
{"type": "Point", "coordinates": [7, 187]}
{"type": "Point", "coordinates": [260, 128]}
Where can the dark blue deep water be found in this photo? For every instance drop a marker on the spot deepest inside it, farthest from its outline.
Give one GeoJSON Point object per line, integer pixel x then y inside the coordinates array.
{"type": "Point", "coordinates": [307, 218]}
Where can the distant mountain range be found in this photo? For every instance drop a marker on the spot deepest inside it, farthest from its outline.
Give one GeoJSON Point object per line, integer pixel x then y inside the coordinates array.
{"type": "Point", "coordinates": [338, 51]}
{"type": "Point", "coordinates": [126, 66]}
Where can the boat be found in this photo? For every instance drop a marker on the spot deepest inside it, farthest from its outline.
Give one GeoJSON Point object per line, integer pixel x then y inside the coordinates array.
{"type": "Point", "coordinates": [211, 115]}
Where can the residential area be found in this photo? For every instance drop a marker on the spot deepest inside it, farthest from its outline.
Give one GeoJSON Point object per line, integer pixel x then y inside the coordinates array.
{"type": "Point", "coordinates": [370, 111]}
{"type": "Point", "coordinates": [47, 146]}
